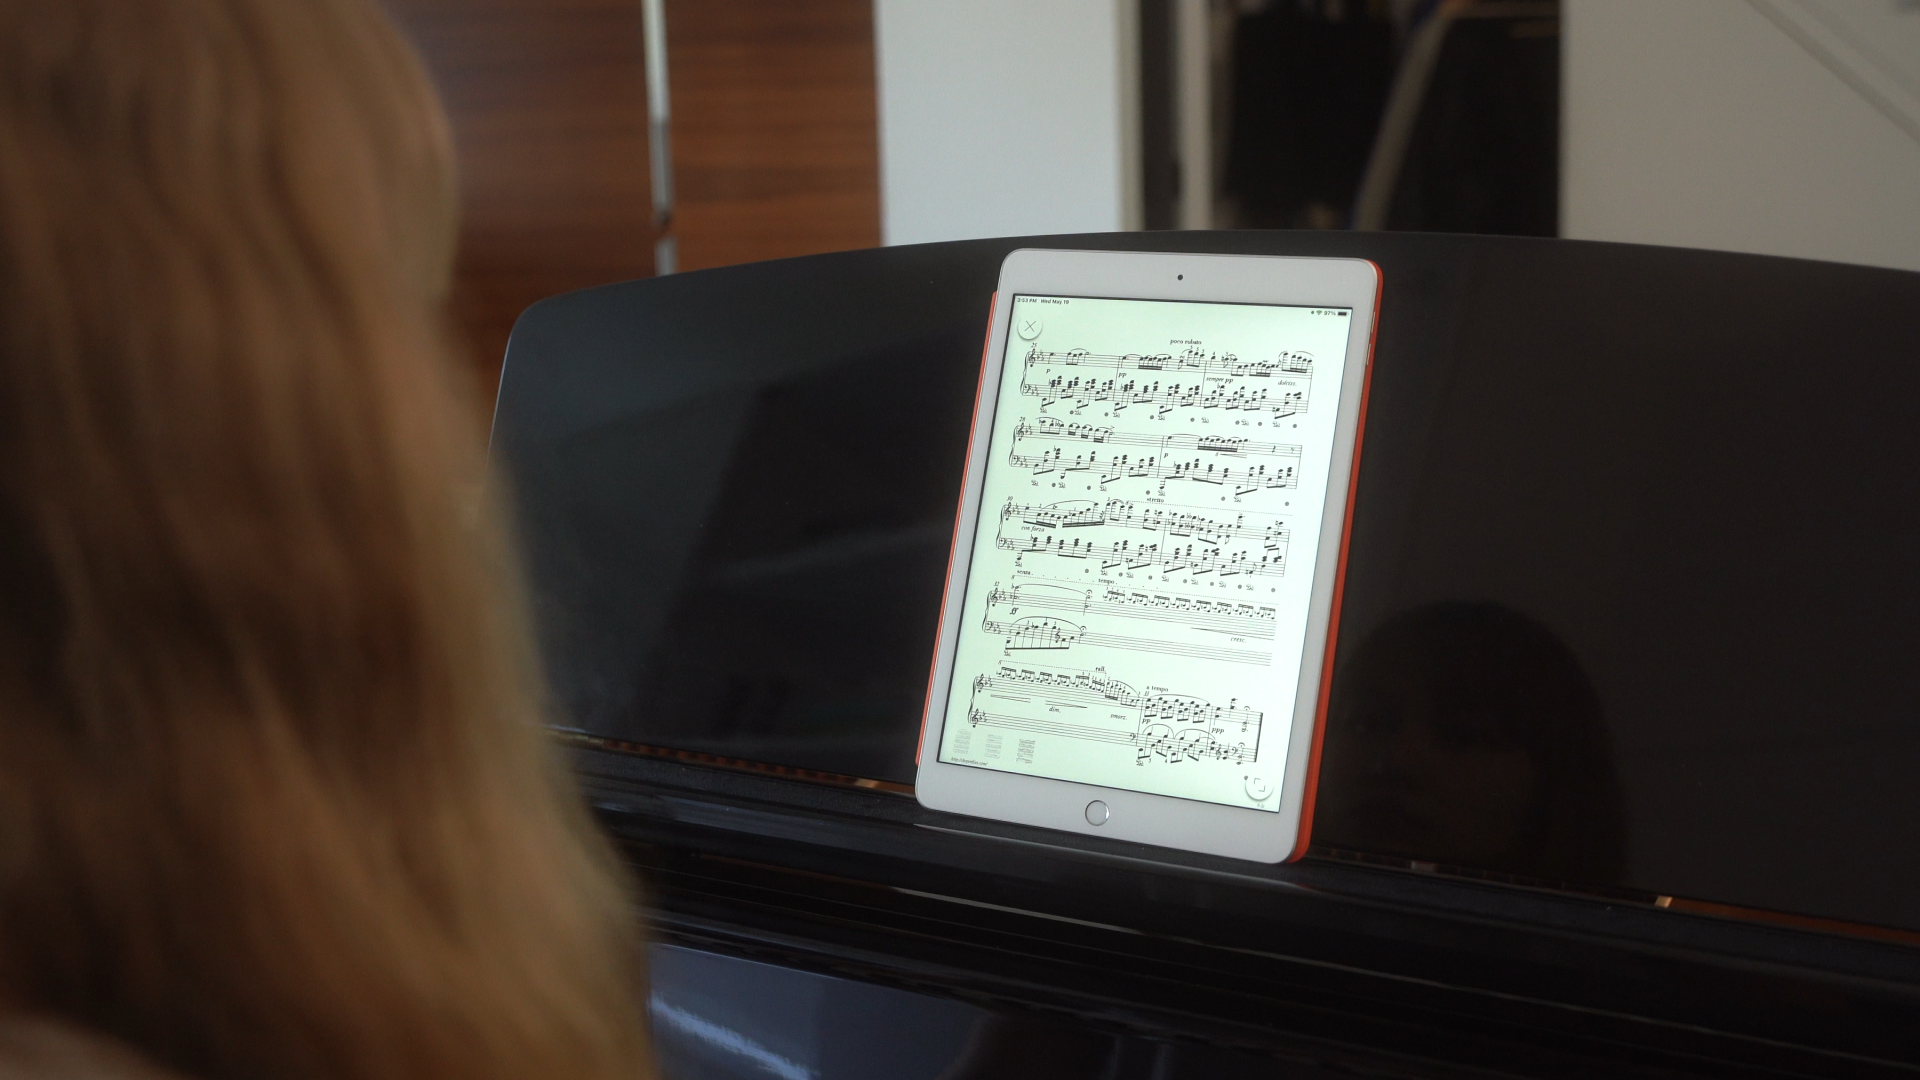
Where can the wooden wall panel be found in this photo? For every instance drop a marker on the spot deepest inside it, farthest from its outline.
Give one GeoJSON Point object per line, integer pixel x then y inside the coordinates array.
{"type": "Point", "coordinates": [775, 140]}
{"type": "Point", "coordinates": [548, 104]}
{"type": "Point", "coordinates": [775, 136]}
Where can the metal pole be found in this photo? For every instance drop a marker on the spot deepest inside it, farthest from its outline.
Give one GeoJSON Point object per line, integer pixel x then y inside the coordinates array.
{"type": "Point", "coordinates": [1193, 110]}
{"type": "Point", "coordinates": [653, 18]}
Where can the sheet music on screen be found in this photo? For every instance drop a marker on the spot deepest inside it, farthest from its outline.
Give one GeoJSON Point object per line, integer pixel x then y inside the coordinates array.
{"type": "Point", "coordinates": [1136, 604]}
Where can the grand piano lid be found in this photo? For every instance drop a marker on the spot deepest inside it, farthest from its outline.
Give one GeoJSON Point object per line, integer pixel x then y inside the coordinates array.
{"type": "Point", "coordinates": [1630, 608]}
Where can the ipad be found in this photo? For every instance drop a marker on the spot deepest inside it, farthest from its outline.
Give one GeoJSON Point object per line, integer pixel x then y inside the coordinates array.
{"type": "Point", "coordinates": [1137, 635]}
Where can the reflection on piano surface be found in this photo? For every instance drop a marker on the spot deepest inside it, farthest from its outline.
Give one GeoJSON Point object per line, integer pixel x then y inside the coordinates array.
{"type": "Point", "coordinates": [1467, 734]}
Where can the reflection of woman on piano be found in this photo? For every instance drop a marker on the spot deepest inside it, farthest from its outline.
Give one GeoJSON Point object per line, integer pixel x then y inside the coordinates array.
{"type": "Point", "coordinates": [1466, 734]}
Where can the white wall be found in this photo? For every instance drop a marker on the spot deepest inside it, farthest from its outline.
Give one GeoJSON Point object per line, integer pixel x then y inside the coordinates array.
{"type": "Point", "coordinates": [1772, 126]}
{"type": "Point", "coordinates": [1005, 117]}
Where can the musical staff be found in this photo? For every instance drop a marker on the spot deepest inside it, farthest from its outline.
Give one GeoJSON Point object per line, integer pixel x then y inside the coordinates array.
{"type": "Point", "coordinates": [1189, 744]}
{"type": "Point", "coordinates": [1192, 379]}
{"type": "Point", "coordinates": [1042, 632]}
{"type": "Point", "coordinates": [1218, 461]}
{"type": "Point", "coordinates": [1166, 521]}
{"type": "Point", "coordinates": [1050, 427]}
{"type": "Point", "coordinates": [1126, 467]}
{"type": "Point", "coordinates": [1192, 359]}
{"type": "Point", "coordinates": [1174, 559]}
{"type": "Point", "coordinates": [1209, 545]}
{"type": "Point", "coordinates": [1245, 620]}
{"type": "Point", "coordinates": [1164, 726]}
{"type": "Point", "coordinates": [980, 717]}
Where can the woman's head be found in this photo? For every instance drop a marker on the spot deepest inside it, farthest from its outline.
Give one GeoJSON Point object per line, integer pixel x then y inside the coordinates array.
{"type": "Point", "coordinates": [272, 796]}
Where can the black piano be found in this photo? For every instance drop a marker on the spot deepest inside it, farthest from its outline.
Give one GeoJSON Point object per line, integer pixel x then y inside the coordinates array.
{"type": "Point", "coordinates": [1622, 768]}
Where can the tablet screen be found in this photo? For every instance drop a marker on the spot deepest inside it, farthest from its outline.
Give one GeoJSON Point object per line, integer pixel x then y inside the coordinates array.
{"type": "Point", "coordinates": [1136, 604]}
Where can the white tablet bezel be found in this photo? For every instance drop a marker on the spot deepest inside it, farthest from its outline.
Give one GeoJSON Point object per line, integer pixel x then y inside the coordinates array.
{"type": "Point", "coordinates": [1166, 821]}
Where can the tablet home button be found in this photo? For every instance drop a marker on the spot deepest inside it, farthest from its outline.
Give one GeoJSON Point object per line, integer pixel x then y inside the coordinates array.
{"type": "Point", "coordinates": [1096, 813]}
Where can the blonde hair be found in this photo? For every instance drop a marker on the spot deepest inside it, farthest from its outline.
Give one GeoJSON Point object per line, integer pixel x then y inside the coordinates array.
{"type": "Point", "coordinates": [273, 796]}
